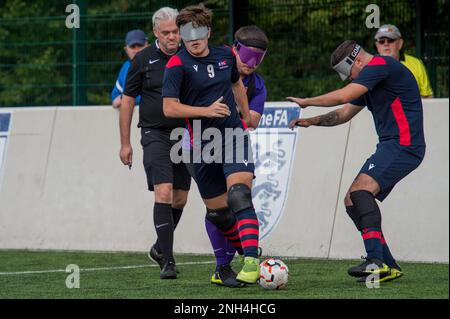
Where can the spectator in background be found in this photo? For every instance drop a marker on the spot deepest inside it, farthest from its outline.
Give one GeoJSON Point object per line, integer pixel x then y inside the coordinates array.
{"type": "Point", "coordinates": [389, 42]}
{"type": "Point", "coordinates": [135, 41]}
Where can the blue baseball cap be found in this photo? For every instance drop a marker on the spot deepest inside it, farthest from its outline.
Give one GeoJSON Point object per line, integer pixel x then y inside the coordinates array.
{"type": "Point", "coordinates": [135, 37]}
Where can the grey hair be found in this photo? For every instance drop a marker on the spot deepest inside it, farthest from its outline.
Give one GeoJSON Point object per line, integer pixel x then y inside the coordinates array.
{"type": "Point", "coordinates": [164, 14]}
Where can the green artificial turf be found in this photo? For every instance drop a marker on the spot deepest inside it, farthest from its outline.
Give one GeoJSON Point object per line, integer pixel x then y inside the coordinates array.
{"type": "Point", "coordinates": [308, 278]}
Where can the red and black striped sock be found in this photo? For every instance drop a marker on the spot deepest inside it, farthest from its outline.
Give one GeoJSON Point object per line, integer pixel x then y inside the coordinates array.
{"type": "Point", "coordinates": [387, 255]}
{"type": "Point", "coordinates": [232, 235]}
{"type": "Point", "coordinates": [372, 242]}
{"type": "Point", "coordinates": [225, 220]}
{"type": "Point", "coordinates": [248, 227]}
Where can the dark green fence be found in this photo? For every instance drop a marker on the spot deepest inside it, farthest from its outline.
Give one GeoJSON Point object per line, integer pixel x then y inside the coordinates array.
{"type": "Point", "coordinates": [44, 63]}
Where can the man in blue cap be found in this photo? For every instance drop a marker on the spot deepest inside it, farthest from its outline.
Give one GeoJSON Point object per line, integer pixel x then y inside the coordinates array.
{"type": "Point", "coordinates": [135, 41]}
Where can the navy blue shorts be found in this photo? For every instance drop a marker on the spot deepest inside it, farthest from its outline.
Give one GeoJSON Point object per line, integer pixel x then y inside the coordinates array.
{"type": "Point", "coordinates": [391, 163]}
{"type": "Point", "coordinates": [211, 176]}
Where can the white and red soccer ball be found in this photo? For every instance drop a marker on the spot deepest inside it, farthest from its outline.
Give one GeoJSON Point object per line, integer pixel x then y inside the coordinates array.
{"type": "Point", "coordinates": [274, 274]}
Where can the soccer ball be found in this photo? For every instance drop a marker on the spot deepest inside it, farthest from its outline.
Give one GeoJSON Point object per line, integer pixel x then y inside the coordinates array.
{"type": "Point", "coordinates": [274, 274]}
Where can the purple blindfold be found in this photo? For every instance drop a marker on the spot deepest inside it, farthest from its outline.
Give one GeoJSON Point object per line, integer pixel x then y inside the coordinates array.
{"type": "Point", "coordinates": [250, 57]}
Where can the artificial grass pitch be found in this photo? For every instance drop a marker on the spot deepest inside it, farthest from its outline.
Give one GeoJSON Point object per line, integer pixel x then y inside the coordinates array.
{"type": "Point", "coordinates": [42, 274]}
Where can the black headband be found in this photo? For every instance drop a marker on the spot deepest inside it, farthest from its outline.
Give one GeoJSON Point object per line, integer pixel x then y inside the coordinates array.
{"type": "Point", "coordinates": [254, 43]}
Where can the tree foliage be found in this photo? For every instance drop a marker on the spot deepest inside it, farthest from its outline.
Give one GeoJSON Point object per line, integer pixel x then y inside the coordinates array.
{"type": "Point", "coordinates": [40, 64]}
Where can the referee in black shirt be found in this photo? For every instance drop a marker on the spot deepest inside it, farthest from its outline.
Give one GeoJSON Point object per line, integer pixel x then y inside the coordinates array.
{"type": "Point", "coordinates": [170, 182]}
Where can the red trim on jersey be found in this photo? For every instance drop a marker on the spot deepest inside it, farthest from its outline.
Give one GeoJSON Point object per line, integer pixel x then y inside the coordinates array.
{"type": "Point", "coordinates": [174, 61]}
{"type": "Point", "coordinates": [231, 48]}
{"type": "Point", "coordinates": [402, 122]}
{"type": "Point", "coordinates": [233, 51]}
{"type": "Point", "coordinates": [190, 131]}
{"type": "Point", "coordinates": [377, 60]}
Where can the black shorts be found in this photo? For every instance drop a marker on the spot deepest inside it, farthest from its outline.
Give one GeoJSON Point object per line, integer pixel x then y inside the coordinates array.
{"type": "Point", "coordinates": [158, 166]}
{"type": "Point", "coordinates": [391, 163]}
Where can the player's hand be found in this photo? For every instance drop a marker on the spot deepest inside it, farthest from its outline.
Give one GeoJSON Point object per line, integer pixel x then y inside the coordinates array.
{"type": "Point", "coordinates": [299, 122]}
{"type": "Point", "coordinates": [247, 119]}
{"type": "Point", "coordinates": [300, 102]}
{"type": "Point", "coordinates": [117, 102]}
{"type": "Point", "coordinates": [126, 154]}
{"type": "Point", "coordinates": [218, 109]}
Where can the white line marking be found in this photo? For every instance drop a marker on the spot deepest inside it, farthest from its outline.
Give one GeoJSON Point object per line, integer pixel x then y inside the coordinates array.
{"type": "Point", "coordinates": [98, 269]}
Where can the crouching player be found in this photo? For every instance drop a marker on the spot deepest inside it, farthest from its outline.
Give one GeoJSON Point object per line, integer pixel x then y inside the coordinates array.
{"type": "Point", "coordinates": [390, 92]}
{"type": "Point", "coordinates": [202, 83]}
{"type": "Point", "coordinates": [250, 47]}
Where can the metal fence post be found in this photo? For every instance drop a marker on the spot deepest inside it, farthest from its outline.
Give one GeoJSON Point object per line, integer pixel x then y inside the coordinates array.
{"type": "Point", "coordinates": [78, 56]}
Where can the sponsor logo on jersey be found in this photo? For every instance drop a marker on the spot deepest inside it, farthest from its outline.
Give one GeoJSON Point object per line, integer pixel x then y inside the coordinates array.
{"type": "Point", "coordinates": [223, 65]}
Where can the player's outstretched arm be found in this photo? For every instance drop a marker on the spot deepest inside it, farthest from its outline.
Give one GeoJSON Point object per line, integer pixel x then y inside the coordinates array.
{"type": "Point", "coordinates": [125, 116]}
{"type": "Point", "coordinates": [336, 117]}
{"type": "Point", "coordinates": [174, 109]}
{"type": "Point", "coordinates": [348, 93]}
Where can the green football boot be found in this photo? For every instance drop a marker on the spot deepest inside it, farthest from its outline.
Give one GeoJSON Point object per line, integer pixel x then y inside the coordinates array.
{"type": "Point", "coordinates": [250, 272]}
{"type": "Point", "coordinates": [370, 267]}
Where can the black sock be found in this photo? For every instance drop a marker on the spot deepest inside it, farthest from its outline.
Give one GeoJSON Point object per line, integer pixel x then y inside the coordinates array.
{"type": "Point", "coordinates": [163, 220]}
{"type": "Point", "coordinates": [354, 216]}
{"type": "Point", "coordinates": [176, 214]}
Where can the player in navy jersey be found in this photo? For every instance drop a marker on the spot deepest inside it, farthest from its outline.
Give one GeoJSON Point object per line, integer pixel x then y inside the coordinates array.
{"type": "Point", "coordinates": [201, 83]}
{"type": "Point", "coordinates": [250, 47]}
{"type": "Point", "coordinates": [390, 92]}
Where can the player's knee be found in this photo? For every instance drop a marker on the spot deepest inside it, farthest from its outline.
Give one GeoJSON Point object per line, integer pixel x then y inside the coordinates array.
{"type": "Point", "coordinates": [179, 199]}
{"type": "Point", "coordinates": [364, 182]}
{"type": "Point", "coordinates": [163, 193]}
{"type": "Point", "coordinates": [347, 200]}
{"type": "Point", "coordinates": [239, 198]}
{"type": "Point", "coordinates": [367, 209]}
{"type": "Point", "coordinates": [222, 218]}
{"type": "Point", "coordinates": [179, 203]}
